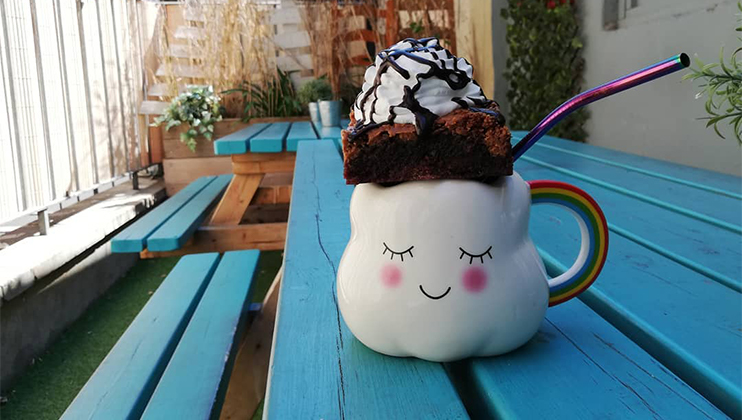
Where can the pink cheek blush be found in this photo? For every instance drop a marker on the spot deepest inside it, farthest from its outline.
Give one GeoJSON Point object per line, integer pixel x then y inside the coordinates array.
{"type": "Point", "coordinates": [391, 276]}
{"type": "Point", "coordinates": [474, 279]}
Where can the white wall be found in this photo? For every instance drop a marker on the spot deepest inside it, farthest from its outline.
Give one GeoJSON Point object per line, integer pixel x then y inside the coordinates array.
{"type": "Point", "coordinates": [659, 119]}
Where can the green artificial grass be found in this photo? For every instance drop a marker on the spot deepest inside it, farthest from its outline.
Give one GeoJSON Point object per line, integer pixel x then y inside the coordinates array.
{"type": "Point", "coordinates": [46, 389]}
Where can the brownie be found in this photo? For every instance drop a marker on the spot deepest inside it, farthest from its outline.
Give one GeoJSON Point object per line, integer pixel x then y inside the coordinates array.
{"type": "Point", "coordinates": [467, 143]}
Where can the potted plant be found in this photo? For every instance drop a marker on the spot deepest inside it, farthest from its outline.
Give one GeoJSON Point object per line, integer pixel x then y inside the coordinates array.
{"type": "Point", "coordinates": [274, 98]}
{"type": "Point", "coordinates": [329, 112]}
{"type": "Point", "coordinates": [199, 109]}
{"type": "Point", "coordinates": [313, 92]}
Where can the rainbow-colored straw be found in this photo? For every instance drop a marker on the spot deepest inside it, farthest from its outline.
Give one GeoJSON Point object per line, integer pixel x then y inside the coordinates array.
{"type": "Point", "coordinates": [645, 75]}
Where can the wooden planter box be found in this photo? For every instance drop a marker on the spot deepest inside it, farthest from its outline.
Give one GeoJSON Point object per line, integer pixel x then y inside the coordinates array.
{"type": "Point", "coordinates": [182, 166]}
{"type": "Point", "coordinates": [175, 149]}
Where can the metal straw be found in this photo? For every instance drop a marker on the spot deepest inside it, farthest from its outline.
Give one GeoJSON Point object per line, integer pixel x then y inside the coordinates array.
{"type": "Point", "coordinates": [645, 75]}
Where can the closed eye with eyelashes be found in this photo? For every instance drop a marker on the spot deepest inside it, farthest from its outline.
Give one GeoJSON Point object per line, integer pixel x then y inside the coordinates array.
{"type": "Point", "coordinates": [472, 257]}
{"type": "Point", "coordinates": [392, 253]}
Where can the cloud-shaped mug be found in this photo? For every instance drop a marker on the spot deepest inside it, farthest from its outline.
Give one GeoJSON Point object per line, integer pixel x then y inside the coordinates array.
{"type": "Point", "coordinates": [443, 270]}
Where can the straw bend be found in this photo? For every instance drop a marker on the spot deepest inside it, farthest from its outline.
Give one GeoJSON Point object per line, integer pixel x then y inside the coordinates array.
{"type": "Point", "coordinates": [645, 75]}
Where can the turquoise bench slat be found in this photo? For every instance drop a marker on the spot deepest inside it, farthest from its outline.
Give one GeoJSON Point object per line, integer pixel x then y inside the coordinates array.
{"type": "Point", "coordinates": [709, 203]}
{"type": "Point", "coordinates": [181, 226]}
{"type": "Point", "coordinates": [238, 142]}
{"type": "Point", "coordinates": [577, 367]}
{"type": "Point", "coordinates": [300, 131]}
{"type": "Point", "coordinates": [133, 238]}
{"type": "Point", "coordinates": [195, 381]}
{"type": "Point", "coordinates": [344, 123]}
{"type": "Point", "coordinates": [331, 133]}
{"type": "Point", "coordinates": [687, 240]}
{"type": "Point", "coordinates": [271, 139]}
{"type": "Point", "coordinates": [666, 170]}
{"type": "Point", "coordinates": [660, 304]}
{"type": "Point", "coordinates": [124, 381]}
{"type": "Point", "coordinates": [318, 370]}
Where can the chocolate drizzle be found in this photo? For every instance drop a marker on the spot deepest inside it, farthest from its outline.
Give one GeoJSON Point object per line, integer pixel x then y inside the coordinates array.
{"type": "Point", "coordinates": [455, 78]}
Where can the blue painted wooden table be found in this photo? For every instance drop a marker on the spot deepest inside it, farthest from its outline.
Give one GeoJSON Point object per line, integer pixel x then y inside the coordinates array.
{"type": "Point", "coordinates": [659, 335]}
{"type": "Point", "coordinates": [175, 227]}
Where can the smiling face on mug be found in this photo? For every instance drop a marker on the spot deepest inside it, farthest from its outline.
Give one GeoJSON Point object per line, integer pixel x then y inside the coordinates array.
{"type": "Point", "coordinates": [442, 270]}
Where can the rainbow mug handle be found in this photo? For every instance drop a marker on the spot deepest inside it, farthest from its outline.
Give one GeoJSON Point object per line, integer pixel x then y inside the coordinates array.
{"type": "Point", "coordinates": [594, 231]}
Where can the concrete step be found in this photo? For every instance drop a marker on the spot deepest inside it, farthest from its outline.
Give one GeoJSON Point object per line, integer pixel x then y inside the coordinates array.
{"type": "Point", "coordinates": [190, 33]}
{"type": "Point", "coordinates": [181, 70]}
{"type": "Point", "coordinates": [152, 107]}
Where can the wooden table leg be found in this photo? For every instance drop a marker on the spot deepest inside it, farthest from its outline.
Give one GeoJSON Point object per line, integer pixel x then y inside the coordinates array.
{"type": "Point", "coordinates": [236, 198]}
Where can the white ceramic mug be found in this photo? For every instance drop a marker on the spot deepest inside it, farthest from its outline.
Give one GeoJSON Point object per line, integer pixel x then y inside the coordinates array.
{"type": "Point", "coordinates": [443, 270]}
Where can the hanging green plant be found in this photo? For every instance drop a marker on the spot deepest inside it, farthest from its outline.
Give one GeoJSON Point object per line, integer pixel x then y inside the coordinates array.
{"type": "Point", "coordinates": [198, 108]}
{"type": "Point", "coordinates": [545, 67]}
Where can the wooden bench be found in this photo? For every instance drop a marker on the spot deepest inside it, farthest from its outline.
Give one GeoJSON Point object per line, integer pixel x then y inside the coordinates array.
{"type": "Point", "coordinates": [657, 335]}
{"type": "Point", "coordinates": [175, 358]}
{"type": "Point", "coordinates": [207, 215]}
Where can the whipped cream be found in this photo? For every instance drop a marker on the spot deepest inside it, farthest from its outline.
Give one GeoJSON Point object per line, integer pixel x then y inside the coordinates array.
{"type": "Point", "coordinates": [414, 81]}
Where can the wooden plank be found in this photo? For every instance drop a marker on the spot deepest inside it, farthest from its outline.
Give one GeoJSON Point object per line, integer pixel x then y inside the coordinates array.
{"type": "Point", "coordinates": [179, 228]}
{"type": "Point", "coordinates": [299, 132]}
{"type": "Point", "coordinates": [677, 172]}
{"type": "Point", "coordinates": [205, 355]}
{"type": "Point", "coordinates": [270, 166]}
{"type": "Point", "coordinates": [125, 380]}
{"type": "Point", "coordinates": [266, 213]}
{"type": "Point", "coordinates": [263, 157]}
{"type": "Point", "coordinates": [577, 367]}
{"type": "Point", "coordinates": [273, 195]}
{"type": "Point", "coordinates": [704, 202]}
{"type": "Point", "coordinates": [250, 373]}
{"type": "Point", "coordinates": [238, 196]}
{"type": "Point", "coordinates": [185, 171]}
{"type": "Point", "coordinates": [271, 139]}
{"type": "Point", "coordinates": [277, 179]}
{"type": "Point", "coordinates": [221, 128]}
{"type": "Point", "coordinates": [238, 237]}
{"type": "Point", "coordinates": [333, 375]}
{"type": "Point", "coordinates": [238, 142]}
{"type": "Point", "coordinates": [694, 243]}
{"type": "Point", "coordinates": [685, 321]}
{"type": "Point", "coordinates": [195, 248]}
{"type": "Point", "coordinates": [133, 238]}
{"type": "Point", "coordinates": [264, 195]}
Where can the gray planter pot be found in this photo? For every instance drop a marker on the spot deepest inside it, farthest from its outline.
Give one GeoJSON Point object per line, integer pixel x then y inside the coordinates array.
{"type": "Point", "coordinates": [330, 113]}
{"type": "Point", "coordinates": [314, 113]}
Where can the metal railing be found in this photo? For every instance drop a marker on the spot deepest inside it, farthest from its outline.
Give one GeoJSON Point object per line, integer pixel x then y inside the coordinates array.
{"type": "Point", "coordinates": [71, 73]}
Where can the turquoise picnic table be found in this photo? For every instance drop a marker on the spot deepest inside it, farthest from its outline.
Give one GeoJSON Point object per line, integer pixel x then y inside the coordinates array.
{"type": "Point", "coordinates": [659, 335]}
{"type": "Point", "coordinates": [180, 226]}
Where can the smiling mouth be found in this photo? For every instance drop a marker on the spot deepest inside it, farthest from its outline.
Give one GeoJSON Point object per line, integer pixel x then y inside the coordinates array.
{"type": "Point", "coordinates": [435, 297]}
